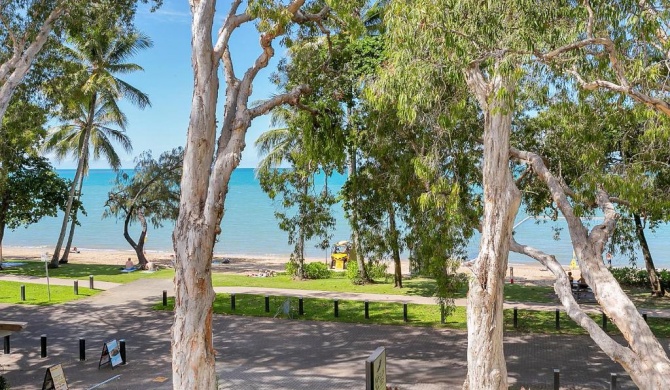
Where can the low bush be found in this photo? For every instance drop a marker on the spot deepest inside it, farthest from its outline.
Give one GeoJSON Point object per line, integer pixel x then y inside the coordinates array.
{"type": "Point", "coordinates": [317, 270]}
{"type": "Point", "coordinates": [633, 277]}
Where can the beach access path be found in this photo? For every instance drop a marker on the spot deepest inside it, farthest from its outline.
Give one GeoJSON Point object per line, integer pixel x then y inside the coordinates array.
{"type": "Point", "coordinates": [265, 353]}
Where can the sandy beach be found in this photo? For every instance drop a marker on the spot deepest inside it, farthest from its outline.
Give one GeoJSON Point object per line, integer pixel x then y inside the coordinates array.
{"type": "Point", "coordinates": [523, 273]}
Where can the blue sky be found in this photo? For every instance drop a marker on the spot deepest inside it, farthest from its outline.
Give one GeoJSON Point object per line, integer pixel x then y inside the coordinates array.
{"type": "Point", "coordinates": [168, 80]}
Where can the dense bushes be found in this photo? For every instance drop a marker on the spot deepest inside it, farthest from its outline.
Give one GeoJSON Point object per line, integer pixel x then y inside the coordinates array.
{"type": "Point", "coordinates": [316, 270]}
{"type": "Point", "coordinates": [376, 270]}
{"type": "Point", "coordinates": [628, 276]}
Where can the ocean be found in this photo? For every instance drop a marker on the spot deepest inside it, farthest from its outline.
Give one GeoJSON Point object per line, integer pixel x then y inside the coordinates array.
{"type": "Point", "coordinates": [249, 227]}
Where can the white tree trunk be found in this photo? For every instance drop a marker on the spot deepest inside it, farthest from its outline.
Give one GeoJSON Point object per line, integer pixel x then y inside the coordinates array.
{"type": "Point", "coordinates": [486, 359]}
{"type": "Point", "coordinates": [644, 359]}
{"type": "Point", "coordinates": [208, 165]}
{"type": "Point", "coordinates": [17, 66]}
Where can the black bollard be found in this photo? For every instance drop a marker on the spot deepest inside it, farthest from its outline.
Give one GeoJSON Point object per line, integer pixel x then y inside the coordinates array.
{"type": "Point", "coordinates": [301, 308]}
{"type": "Point", "coordinates": [613, 381]}
{"type": "Point", "coordinates": [43, 346]}
{"type": "Point", "coordinates": [644, 315]}
{"type": "Point", "coordinates": [90, 282]}
{"type": "Point", "coordinates": [164, 297]}
{"type": "Point", "coordinates": [404, 312]}
{"type": "Point", "coordinates": [122, 350]}
{"type": "Point", "coordinates": [558, 319]}
{"type": "Point", "coordinates": [367, 310]}
{"type": "Point", "coordinates": [443, 319]}
{"type": "Point", "coordinates": [336, 308]}
{"type": "Point", "coordinates": [232, 301]}
{"type": "Point", "coordinates": [76, 287]}
{"type": "Point", "coordinates": [516, 318]}
{"type": "Point", "coordinates": [604, 322]}
{"type": "Point", "coordinates": [557, 381]}
{"type": "Point", "coordinates": [23, 292]}
{"type": "Point", "coordinates": [6, 345]}
{"type": "Point", "coordinates": [82, 349]}
{"type": "Point", "coordinates": [267, 304]}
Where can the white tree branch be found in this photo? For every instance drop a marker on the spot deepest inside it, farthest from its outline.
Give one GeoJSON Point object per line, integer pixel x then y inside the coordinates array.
{"type": "Point", "coordinates": [292, 97]}
{"type": "Point", "coordinates": [563, 289]}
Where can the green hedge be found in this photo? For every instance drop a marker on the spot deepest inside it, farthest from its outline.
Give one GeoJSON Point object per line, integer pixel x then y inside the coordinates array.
{"type": "Point", "coordinates": [629, 276]}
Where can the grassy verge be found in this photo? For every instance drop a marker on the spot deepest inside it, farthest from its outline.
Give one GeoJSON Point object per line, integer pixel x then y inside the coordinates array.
{"type": "Point", "coordinates": [103, 273]}
{"type": "Point", "coordinates": [528, 321]}
{"type": "Point", "coordinates": [37, 294]}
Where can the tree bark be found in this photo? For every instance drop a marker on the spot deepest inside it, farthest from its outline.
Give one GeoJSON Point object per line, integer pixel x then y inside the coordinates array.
{"type": "Point", "coordinates": [17, 66]}
{"type": "Point", "coordinates": [655, 282]}
{"type": "Point", "coordinates": [397, 275]}
{"type": "Point", "coordinates": [83, 156]}
{"type": "Point", "coordinates": [486, 359]}
{"type": "Point", "coordinates": [356, 247]}
{"type": "Point", "coordinates": [208, 165]}
{"type": "Point", "coordinates": [644, 359]}
{"type": "Point", "coordinates": [73, 224]}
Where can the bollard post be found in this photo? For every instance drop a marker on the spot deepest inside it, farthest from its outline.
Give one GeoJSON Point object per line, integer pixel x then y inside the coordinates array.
{"type": "Point", "coordinates": [404, 311]}
{"type": "Point", "coordinates": [43, 346]}
{"type": "Point", "coordinates": [122, 350]}
{"type": "Point", "coordinates": [76, 287]}
{"type": "Point", "coordinates": [604, 322]}
{"type": "Point", "coordinates": [557, 381]}
{"type": "Point", "coordinates": [558, 319]}
{"type": "Point", "coordinates": [232, 301]}
{"type": "Point", "coordinates": [367, 310]}
{"type": "Point", "coordinates": [301, 307]}
{"type": "Point", "coordinates": [644, 315]}
{"type": "Point", "coordinates": [82, 350]}
{"type": "Point", "coordinates": [511, 275]}
{"type": "Point", "coordinates": [516, 318]}
{"type": "Point", "coordinates": [164, 297]}
{"type": "Point", "coordinates": [336, 308]}
{"type": "Point", "coordinates": [6, 343]}
{"type": "Point", "coordinates": [90, 282]}
{"type": "Point", "coordinates": [613, 381]}
{"type": "Point", "coordinates": [23, 292]}
{"type": "Point", "coordinates": [267, 303]}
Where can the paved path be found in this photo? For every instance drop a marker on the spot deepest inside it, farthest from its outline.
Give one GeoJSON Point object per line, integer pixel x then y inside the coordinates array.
{"type": "Point", "coordinates": [263, 353]}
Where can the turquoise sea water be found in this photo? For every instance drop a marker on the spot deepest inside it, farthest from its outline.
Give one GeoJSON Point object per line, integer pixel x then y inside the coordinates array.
{"type": "Point", "coordinates": [249, 226]}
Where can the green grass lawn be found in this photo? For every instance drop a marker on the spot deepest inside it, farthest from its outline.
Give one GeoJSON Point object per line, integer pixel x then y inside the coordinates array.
{"type": "Point", "coordinates": [37, 294]}
{"type": "Point", "coordinates": [387, 313]}
{"type": "Point", "coordinates": [103, 273]}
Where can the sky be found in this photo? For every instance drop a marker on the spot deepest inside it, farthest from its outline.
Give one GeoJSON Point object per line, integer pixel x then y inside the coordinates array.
{"type": "Point", "coordinates": [168, 80]}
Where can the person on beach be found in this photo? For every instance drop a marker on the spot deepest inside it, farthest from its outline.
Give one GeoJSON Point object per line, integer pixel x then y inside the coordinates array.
{"type": "Point", "coordinates": [582, 282]}
{"type": "Point", "coordinates": [129, 264]}
{"type": "Point", "coordinates": [609, 259]}
{"type": "Point", "coordinates": [570, 278]}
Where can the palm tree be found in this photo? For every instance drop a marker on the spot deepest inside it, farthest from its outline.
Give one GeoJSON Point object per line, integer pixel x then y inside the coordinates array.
{"type": "Point", "coordinates": [98, 54]}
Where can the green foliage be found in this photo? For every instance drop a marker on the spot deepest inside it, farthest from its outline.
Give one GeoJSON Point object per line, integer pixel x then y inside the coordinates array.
{"type": "Point", "coordinates": [634, 277]}
{"type": "Point", "coordinates": [317, 270]}
{"type": "Point", "coordinates": [352, 273]}
{"type": "Point", "coordinates": [4, 383]}
{"type": "Point", "coordinates": [152, 189]}
{"type": "Point", "coordinates": [378, 269]}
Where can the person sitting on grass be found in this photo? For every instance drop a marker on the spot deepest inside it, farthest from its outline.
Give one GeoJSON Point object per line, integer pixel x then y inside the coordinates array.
{"type": "Point", "coordinates": [582, 282]}
{"type": "Point", "coordinates": [129, 264]}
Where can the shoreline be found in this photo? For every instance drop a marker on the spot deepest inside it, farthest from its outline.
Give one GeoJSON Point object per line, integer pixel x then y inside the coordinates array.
{"type": "Point", "coordinates": [531, 274]}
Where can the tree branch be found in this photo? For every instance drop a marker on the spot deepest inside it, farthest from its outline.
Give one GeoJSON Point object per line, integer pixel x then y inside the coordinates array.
{"type": "Point", "coordinates": [292, 97]}
{"type": "Point", "coordinates": [563, 289]}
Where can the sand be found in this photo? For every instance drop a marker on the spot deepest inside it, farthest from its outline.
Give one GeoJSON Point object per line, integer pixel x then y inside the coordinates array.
{"type": "Point", "coordinates": [529, 274]}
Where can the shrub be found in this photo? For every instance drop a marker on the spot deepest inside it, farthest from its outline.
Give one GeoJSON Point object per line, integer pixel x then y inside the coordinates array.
{"type": "Point", "coordinates": [4, 385]}
{"type": "Point", "coordinates": [352, 272]}
{"type": "Point", "coordinates": [629, 276]}
{"type": "Point", "coordinates": [317, 270]}
{"type": "Point", "coordinates": [291, 268]}
{"type": "Point", "coordinates": [378, 269]}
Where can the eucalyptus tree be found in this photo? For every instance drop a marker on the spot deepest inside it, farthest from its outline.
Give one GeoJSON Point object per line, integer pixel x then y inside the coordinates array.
{"type": "Point", "coordinates": [97, 55]}
{"type": "Point", "coordinates": [211, 155]}
{"type": "Point", "coordinates": [28, 25]}
{"type": "Point", "coordinates": [482, 47]}
{"type": "Point", "coordinates": [150, 193]}
{"type": "Point", "coordinates": [305, 210]}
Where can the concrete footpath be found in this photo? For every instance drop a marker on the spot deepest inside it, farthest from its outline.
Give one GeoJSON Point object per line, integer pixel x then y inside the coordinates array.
{"type": "Point", "coordinates": [265, 353]}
